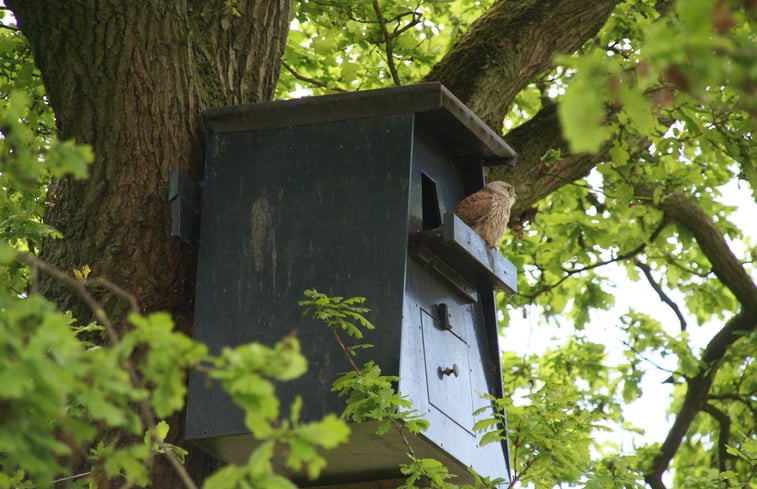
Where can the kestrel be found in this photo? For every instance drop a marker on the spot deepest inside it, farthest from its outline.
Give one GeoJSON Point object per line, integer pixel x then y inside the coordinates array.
{"type": "Point", "coordinates": [488, 211]}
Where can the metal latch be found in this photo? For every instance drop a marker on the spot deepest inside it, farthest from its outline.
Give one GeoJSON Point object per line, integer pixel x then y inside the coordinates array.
{"type": "Point", "coordinates": [444, 317]}
{"type": "Point", "coordinates": [184, 196]}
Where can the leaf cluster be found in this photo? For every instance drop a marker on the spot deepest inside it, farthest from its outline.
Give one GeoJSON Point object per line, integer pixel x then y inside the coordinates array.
{"type": "Point", "coordinates": [30, 154]}
{"type": "Point", "coordinates": [247, 374]}
{"type": "Point", "coordinates": [368, 394]}
{"type": "Point", "coordinates": [67, 403]}
{"type": "Point", "coordinates": [335, 45]}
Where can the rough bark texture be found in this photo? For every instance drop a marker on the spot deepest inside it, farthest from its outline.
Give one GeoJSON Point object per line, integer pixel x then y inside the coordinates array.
{"type": "Point", "coordinates": [119, 78]}
{"type": "Point", "coordinates": [130, 78]}
{"type": "Point", "coordinates": [512, 42]}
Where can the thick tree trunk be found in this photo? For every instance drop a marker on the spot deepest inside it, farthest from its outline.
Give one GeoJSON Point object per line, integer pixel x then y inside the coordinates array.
{"type": "Point", "coordinates": [119, 77]}
{"type": "Point", "coordinates": [130, 79]}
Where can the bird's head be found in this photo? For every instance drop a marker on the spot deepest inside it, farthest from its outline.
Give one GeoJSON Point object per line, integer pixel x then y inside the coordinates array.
{"type": "Point", "coordinates": [503, 188]}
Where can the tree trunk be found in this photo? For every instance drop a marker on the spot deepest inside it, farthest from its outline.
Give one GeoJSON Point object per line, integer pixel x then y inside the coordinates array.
{"type": "Point", "coordinates": [130, 79]}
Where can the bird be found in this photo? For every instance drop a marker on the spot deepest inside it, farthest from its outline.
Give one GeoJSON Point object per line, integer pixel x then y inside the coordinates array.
{"type": "Point", "coordinates": [487, 211]}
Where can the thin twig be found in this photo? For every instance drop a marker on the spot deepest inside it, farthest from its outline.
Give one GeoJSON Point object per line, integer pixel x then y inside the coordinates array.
{"type": "Point", "coordinates": [388, 42]}
{"type": "Point", "coordinates": [312, 81]}
{"type": "Point", "coordinates": [178, 467]}
{"type": "Point", "coordinates": [744, 399]}
{"type": "Point", "coordinates": [651, 362]}
{"type": "Point", "coordinates": [661, 293]}
{"type": "Point", "coordinates": [397, 425]}
{"type": "Point", "coordinates": [625, 256]}
{"type": "Point", "coordinates": [64, 479]}
{"type": "Point", "coordinates": [399, 30]}
{"type": "Point", "coordinates": [117, 290]}
{"type": "Point", "coordinates": [80, 287]}
{"type": "Point", "coordinates": [517, 477]}
{"type": "Point", "coordinates": [346, 351]}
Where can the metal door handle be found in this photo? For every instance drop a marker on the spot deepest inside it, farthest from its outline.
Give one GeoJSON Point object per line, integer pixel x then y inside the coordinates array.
{"type": "Point", "coordinates": [449, 370]}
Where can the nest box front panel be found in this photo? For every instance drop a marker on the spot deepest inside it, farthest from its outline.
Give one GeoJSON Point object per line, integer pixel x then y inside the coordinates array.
{"type": "Point", "coordinates": [445, 339]}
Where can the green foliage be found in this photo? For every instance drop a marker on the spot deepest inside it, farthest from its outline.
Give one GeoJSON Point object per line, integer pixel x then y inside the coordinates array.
{"type": "Point", "coordinates": [246, 373]}
{"type": "Point", "coordinates": [426, 472]}
{"type": "Point", "coordinates": [337, 312]}
{"type": "Point", "coordinates": [164, 359]}
{"type": "Point", "coordinates": [372, 396]}
{"type": "Point", "coordinates": [731, 399]}
{"type": "Point", "coordinates": [671, 63]}
{"type": "Point", "coordinates": [258, 472]}
{"type": "Point", "coordinates": [30, 155]}
{"type": "Point", "coordinates": [683, 84]}
{"type": "Point", "coordinates": [338, 46]}
{"type": "Point", "coordinates": [614, 472]}
{"type": "Point", "coordinates": [678, 84]}
{"type": "Point", "coordinates": [582, 113]}
{"type": "Point", "coordinates": [60, 396]}
{"type": "Point", "coordinates": [557, 403]}
{"type": "Point", "coordinates": [369, 395]}
{"type": "Point", "coordinates": [55, 392]}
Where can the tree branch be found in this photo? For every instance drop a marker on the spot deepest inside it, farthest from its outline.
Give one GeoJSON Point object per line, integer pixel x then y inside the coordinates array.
{"type": "Point", "coordinates": [621, 257]}
{"type": "Point", "coordinates": [661, 293]}
{"type": "Point", "coordinates": [725, 430]}
{"type": "Point", "coordinates": [725, 265]}
{"type": "Point", "coordinates": [306, 79]}
{"type": "Point", "coordinates": [732, 274]}
{"type": "Point", "coordinates": [388, 46]}
{"type": "Point", "coordinates": [532, 177]}
{"type": "Point", "coordinates": [744, 399]}
{"type": "Point", "coordinates": [697, 392]}
{"type": "Point", "coordinates": [509, 44]}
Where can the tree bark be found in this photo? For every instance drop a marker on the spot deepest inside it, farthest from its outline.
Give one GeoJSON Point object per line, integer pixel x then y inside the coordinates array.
{"type": "Point", "coordinates": [121, 81]}
{"type": "Point", "coordinates": [511, 43]}
{"type": "Point", "coordinates": [532, 177]}
{"type": "Point", "coordinates": [130, 79]}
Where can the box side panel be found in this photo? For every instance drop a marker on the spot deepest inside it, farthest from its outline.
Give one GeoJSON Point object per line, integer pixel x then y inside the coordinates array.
{"type": "Point", "coordinates": [288, 209]}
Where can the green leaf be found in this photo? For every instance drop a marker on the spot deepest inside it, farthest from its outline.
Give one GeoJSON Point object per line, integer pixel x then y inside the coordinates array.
{"type": "Point", "coordinates": [161, 430]}
{"type": "Point", "coordinates": [7, 254]}
{"type": "Point", "coordinates": [329, 432]}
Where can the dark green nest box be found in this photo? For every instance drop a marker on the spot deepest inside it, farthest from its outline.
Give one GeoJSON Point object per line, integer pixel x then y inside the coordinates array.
{"type": "Point", "coordinates": [352, 194]}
